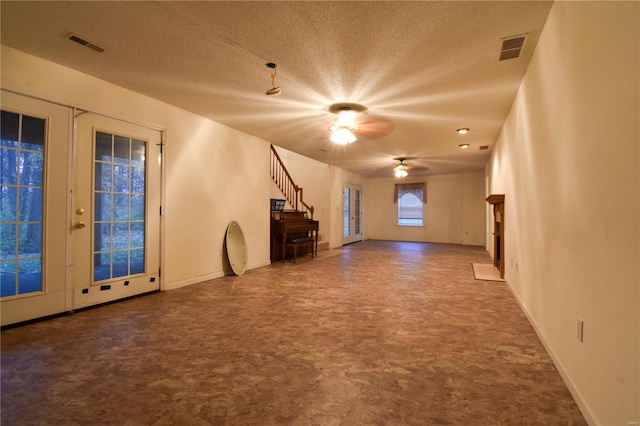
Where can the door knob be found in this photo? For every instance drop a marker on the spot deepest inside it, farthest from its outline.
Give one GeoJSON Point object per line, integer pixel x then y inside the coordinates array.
{"type": "Point", "coordinates": [79, 225]}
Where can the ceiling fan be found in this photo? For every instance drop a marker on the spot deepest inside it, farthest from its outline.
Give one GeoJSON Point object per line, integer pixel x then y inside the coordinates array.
{"type": "Point", "coordinates": [402, 169]}
{"type": "Point", "coordinates": [353, 121]}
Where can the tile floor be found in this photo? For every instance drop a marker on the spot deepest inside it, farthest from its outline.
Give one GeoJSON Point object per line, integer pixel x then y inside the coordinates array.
{"type": "Point", "coordinates": [375, 333]}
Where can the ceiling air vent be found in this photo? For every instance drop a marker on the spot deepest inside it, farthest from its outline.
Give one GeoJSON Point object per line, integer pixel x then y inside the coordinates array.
{"type": "Point", "coordinates": [483, 147]}
{"type": "Point", "coordinates": [85, 43]}
{"type": "Point", "coordinates": [512, 47]}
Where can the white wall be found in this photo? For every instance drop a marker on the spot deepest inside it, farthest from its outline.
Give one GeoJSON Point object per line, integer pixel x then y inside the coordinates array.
{"type": "Point", "coordinates": [213, 174]}
{"type": "Point", "coordinates": [567, 161]}
{"type": "Point", "coordinates": [474, 207]}
{"type": "Point", "coordinates": [454, 212]}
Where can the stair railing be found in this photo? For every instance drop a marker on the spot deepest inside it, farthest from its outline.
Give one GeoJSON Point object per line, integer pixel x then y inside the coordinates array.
{"type": "Point", "coordinates": [292, 192]}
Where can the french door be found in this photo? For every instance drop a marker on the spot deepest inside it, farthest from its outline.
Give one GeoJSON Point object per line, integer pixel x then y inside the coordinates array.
{"type": "Point", "coordinates": [115, 226]}
{"type": "Point", "coordinates": [74, 239]}
{"type": "Point", "coordinates": [34, 147]}
{"type": "Point", "coordinates": [352, 213]}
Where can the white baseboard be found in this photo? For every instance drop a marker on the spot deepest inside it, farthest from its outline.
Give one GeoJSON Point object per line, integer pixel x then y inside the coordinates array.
{"type": "Point", "coordinates": [259, 265]}
{"type": "Point", "coordinates": [203, 278]}
{"type": "Point", "coordinates": [191, 281]}
{"type": "Point", "coordinates": [582, 405]}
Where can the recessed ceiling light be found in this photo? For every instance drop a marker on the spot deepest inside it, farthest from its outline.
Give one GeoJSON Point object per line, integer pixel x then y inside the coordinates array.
{"type": "Point", "coordinates": [464, 145]}
{"type": "Point", "coordinates": [463, 130]}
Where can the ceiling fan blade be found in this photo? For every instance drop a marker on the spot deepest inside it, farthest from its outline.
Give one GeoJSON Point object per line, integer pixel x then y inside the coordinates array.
{"type": "Point", "coordinates": [372, 127]}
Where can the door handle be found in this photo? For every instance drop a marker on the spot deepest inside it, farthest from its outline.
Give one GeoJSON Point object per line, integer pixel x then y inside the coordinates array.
{"type": "Point", "coordinates": [79, 225]}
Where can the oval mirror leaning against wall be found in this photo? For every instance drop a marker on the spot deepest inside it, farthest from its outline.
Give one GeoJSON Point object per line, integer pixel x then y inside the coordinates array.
{"type": "Point", "coordinates": [236, 248]}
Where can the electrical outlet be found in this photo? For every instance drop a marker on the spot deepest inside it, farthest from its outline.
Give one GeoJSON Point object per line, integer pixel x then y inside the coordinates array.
{"type": "Point", "coordinates": [580, 330]}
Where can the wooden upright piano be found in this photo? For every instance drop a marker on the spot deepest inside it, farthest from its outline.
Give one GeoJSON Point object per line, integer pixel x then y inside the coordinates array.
{"type": "Point", "coordinates": [291, 229]}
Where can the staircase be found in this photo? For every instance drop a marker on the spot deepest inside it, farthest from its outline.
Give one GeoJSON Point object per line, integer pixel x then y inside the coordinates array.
{"type": "Point", "coordinates": [292, 192]}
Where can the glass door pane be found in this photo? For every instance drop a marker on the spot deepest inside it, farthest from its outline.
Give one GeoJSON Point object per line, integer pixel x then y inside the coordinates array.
{"type": "Point", "coordinates": [34, 226]}
{"type": "Point", "coordinates": [22, 151]}
{"type": "Point", "coordinates": [119, 207]}
{"type": "Point", "coordinates": [356, 208]}
{"type": "Point", "coordinates": [352, 214]}
{"type": "Point", "coordinates": [347, 211]}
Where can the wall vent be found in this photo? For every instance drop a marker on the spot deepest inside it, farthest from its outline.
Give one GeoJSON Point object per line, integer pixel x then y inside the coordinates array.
{"type": "Point", "coordinates": [512, 47]}
{"type": "Point", "coordinates": [85, 43]}
{"type": "Point", "coordinates": [484, 147]}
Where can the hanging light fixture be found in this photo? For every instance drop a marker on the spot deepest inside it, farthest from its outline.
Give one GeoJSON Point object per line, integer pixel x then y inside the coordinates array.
{"type": "Point", "coordinates": [342, 131]}
{"type": "Point", "coordinates": [401, 169]}
{"type": "Point", "coordinates": [274, 91]}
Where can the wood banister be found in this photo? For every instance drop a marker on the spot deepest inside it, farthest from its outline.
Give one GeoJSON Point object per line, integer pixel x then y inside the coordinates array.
{"type": "Point", "coordinates": [292, 192]}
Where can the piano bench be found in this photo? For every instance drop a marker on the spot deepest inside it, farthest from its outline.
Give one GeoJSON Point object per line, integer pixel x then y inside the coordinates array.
{"type": "Point", "coordinates": [300, 242]}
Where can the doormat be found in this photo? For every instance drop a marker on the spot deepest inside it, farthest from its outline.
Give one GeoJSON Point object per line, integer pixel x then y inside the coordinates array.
{"type": "Point", "coordinates": [486, 272]}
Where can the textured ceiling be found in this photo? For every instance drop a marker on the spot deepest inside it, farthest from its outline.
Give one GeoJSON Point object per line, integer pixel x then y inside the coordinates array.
{"type": "Point", "coordinates": [422, 69]}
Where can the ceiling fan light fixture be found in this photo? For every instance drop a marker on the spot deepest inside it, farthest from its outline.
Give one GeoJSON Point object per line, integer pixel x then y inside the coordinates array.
{"type": "Point", "coordinates": [401, 170]}
{"type": "Point", "coordinates": [342, 130]}
{"type": "Point", "coordinates": [401, 173]}
{"type": "Point", "coordinates": [347, 119]}
{"type": "Point", "coordinates": [342, 136]}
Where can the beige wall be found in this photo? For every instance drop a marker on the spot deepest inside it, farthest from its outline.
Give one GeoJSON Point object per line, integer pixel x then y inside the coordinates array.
{"type": "Point", "coordinates": [567, 161]}
{"type": "Point", "coordinates": [454, 212]}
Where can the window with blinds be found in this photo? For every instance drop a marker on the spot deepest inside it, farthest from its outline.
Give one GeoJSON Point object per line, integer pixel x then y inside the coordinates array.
{"type": "Point", "coordinates": [410, 198]}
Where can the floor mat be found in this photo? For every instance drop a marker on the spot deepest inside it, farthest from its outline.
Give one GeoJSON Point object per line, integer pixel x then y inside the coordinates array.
{"type": "Point", "coordinates": [486, 272]}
